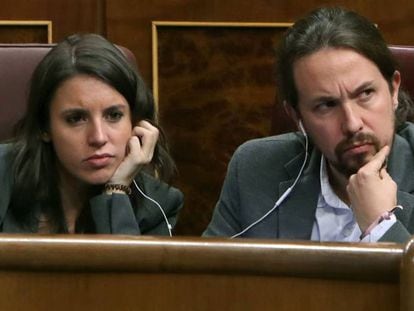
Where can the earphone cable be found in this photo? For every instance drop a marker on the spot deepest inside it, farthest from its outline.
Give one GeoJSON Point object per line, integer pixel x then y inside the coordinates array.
{"type": "Point", "coordinates": [281, 198]}
{"type": "Point", "coordinates": [169, 226]}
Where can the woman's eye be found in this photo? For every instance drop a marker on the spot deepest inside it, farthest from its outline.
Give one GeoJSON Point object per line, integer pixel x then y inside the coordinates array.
{"type": "Point", "coordinates": [75, 118]}
{"type": "Point", "coordinates": [114, 115]}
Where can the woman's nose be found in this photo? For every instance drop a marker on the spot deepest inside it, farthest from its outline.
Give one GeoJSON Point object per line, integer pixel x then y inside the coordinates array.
{"type": "Point", "coordinates": [97, 134]}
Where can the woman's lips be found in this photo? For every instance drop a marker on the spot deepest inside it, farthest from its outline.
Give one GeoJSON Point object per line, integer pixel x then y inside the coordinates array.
{"type": "Point", "coordinates": [99, 161]}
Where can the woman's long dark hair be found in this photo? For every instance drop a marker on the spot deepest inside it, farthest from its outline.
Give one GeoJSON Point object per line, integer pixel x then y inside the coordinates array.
{"type": "Point", "coordinates": [33, 161]}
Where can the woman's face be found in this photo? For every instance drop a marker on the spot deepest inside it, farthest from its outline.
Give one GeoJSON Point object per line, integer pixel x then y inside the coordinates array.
{"type": "Point", "coordinates": [90, 125]}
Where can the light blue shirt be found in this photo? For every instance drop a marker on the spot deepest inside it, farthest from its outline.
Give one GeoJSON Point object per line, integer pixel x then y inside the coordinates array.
{"type": "Point", "coordinates": [335, 221]}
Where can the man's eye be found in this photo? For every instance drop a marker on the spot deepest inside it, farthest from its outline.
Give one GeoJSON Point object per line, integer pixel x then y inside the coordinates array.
{"type": "Point", "coordinates": [324, 106]}
{"type": "Point", "coordinates": [366, 94]}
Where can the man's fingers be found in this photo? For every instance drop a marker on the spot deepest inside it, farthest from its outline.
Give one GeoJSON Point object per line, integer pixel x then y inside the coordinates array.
{"type": "Point", "coordinates": [378, 160]}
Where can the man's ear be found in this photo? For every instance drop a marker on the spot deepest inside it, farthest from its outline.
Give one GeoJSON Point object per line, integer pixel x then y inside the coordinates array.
{"type": "Point", "coordinates": [291, 112]}
{"type": "Point", "coordinates": [396, 82]}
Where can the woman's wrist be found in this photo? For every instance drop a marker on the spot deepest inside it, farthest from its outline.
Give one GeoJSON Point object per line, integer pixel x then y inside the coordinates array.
{"type": "Point", "coordinates": [110, 188]}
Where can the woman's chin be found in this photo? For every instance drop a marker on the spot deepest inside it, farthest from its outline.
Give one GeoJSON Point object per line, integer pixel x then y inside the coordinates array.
{"type": "Point", "coordinates": [97, 180]}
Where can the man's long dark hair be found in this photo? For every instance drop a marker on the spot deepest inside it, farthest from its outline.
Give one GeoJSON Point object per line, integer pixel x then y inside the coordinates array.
{"type": "Point", "coordinates": [336, 28]}
{"type": "Point", "coordinates": [33, 160]}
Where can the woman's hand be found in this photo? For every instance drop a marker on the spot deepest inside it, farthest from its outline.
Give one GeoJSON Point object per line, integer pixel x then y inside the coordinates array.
{"type": "Point", "coordinates": [371, 190]}
{"type": "Point", "coordinates": [140, 151]}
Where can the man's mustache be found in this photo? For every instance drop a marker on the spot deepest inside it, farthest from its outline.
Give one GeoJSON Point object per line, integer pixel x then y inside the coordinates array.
{"type": "Point", "coordinates": [356, 140]}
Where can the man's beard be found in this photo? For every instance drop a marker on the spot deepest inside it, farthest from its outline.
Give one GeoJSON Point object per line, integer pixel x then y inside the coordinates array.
{"type": "Point", "coordinates": [351, 164]}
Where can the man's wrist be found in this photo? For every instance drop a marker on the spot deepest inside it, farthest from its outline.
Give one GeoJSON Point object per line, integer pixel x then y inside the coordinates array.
{"type": "Point", "coordinates": [381, 218]}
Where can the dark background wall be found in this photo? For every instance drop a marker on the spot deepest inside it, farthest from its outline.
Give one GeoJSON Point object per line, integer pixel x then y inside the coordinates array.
{"type": "Point", "coordinates": [215, 84]}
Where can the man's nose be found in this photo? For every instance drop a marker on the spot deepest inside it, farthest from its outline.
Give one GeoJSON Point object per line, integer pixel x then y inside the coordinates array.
{"type": "Point", "coordinates": [351, 119]}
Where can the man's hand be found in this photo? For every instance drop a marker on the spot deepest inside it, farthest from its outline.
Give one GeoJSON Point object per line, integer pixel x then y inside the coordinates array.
{"type": "Point", "coordinates": [371, 190]}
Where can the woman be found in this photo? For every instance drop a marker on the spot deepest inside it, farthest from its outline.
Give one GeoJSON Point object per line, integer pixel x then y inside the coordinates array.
{"type": "Point", "coordinates": [77, 161]}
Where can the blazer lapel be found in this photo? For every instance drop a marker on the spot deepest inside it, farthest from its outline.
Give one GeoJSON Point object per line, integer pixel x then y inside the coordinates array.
{"type": "Point", "coordinates": [297, 213]}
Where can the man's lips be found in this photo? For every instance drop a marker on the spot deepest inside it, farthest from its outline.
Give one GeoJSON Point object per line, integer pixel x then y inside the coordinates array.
{"type": "Point", "coordinates": [358, 147]}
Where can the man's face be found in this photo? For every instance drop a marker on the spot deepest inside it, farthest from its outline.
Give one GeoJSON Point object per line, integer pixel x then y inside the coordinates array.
{"type": "Point", "coordinates": [346, 106]}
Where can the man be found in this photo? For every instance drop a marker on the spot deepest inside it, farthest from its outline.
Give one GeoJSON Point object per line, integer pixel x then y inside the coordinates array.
{"type": "Point", "coordinates": [348, 176]}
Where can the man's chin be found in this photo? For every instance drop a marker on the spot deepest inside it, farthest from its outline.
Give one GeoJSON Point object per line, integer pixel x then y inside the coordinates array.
{"type": "Point", "coordinates": [351, 166]}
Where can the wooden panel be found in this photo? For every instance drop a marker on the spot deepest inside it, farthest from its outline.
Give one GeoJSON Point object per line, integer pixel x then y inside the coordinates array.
{"type": "Point", "coordinates": [38, 291]}
{"type": "Point", "coordinates": [129, 21]}
{"type": "Point", "coordinates": [215, 89]}
{"type": "Point", "coordinates": [67, 16]}
{"type": "Point", "coordinates": [25, 31]}
{"type": "Point", "coordinates": [407, 278]}
{"type": "Point", "coordinates": [62, 272]}
{"type": "Point", "coordinates": [213, 136]}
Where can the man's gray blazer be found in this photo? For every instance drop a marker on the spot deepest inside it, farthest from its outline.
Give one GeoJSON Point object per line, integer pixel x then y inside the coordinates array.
{"type": "Point", "coordinates": [262, 169]}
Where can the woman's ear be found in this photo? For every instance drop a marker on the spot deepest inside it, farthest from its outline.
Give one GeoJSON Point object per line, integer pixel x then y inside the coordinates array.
{"type": "Point", "coordinates": [45, 137]}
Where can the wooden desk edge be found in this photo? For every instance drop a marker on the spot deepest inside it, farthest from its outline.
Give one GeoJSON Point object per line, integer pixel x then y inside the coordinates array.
{"type": "Point", "coordinates": [359, 261]}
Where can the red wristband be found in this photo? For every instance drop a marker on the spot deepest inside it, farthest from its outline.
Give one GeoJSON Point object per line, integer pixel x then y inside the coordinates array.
{"type": "Point", "coordinates": [382, 217]}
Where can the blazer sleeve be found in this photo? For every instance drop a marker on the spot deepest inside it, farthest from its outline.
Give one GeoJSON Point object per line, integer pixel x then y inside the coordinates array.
{"type": "Point", "coordinates": [225, 219]}
{"type": "Point", "coordinates": [113, 214]}
{"type": "Point", "coordinates": [120, 214]}
{"type": "Point", "coordinates": [163, 203]}
{"type": "Point", "coordinates": [402, 230]}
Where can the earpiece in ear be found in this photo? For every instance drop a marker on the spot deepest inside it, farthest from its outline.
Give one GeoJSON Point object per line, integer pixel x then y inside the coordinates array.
{"type": "Point", "coordinates": [302, 129]}
{"type": "Point", "coordinates": [45, 137]}
{"type": "Point", "coordinates": [395, 106]}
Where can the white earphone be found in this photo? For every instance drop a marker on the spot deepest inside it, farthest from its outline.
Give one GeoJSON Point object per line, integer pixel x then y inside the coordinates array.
{"type": "Point", "coordinates": [169, 226]}
{"type": "Point", "coordinates": [285, 194]}
{"type": "Point", "coordinates": [301, 127]}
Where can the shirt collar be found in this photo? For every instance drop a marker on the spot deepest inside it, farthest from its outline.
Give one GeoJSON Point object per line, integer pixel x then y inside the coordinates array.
{"type": "Point", "coordinates": [328, 196]}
